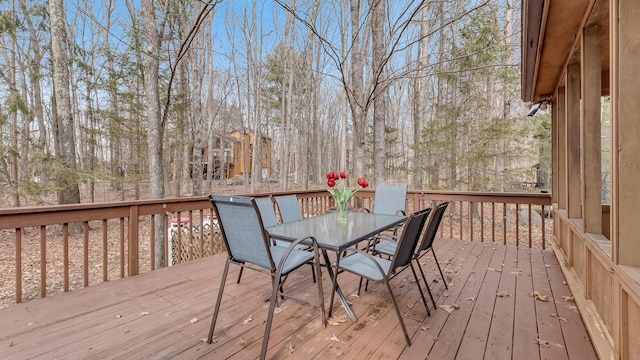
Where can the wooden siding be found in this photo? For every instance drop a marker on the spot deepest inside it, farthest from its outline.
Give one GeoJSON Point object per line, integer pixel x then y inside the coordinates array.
{"type": "Point", "coordinates": [166, 314]}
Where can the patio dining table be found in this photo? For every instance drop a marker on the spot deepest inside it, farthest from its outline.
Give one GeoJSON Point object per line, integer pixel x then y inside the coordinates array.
{"type": "Point", "coordinates": [336, 237]}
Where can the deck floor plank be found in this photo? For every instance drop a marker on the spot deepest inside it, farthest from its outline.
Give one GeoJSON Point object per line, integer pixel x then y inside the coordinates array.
{"type": "Point", "coordinates": [525, 330]}
{"type": "Point", "coordinates": [477, 330]}
{"type": "Point", "coordinates": [153, 315]}
{"type": "Point", "coordinates": [461, 265]}
{"type": "Point", "coordinates": [500, 338]}
{"type": "Point", "coordinates": [575, 336]}
{"type": "Point", "coordinates": [546, 314]}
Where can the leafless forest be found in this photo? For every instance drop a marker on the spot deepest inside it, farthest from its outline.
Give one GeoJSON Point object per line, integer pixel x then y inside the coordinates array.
{"type": "Point", "coordinates": [132, 94]}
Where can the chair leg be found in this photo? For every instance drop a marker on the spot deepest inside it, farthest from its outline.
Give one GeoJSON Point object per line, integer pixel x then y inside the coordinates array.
{"type": "Point", "coordinates": [424, 300]}
{"type": "Point", "coordinates": [239, 275]}
{"type": "Point", "coordinates": [218, 301]}
{"type": "Point", "coordinates": [395, 306]}
{"type": "Point", "coordinates": [424, 278]}
{"type": "Point", "coordinates": [440, 269]}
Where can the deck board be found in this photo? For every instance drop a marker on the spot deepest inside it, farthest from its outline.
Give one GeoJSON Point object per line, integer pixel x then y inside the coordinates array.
{"type": "Point", "coordinates": [166, 314]}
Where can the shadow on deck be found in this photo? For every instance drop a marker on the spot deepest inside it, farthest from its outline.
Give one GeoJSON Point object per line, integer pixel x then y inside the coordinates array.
{"type": "Point", "coordinates": [490, 311]}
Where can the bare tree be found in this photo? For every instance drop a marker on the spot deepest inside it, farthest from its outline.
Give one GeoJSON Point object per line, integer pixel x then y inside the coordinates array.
{"type": "Point", "coordinates": [68, 192]}
{"type": "Point", "coordinates": [156, 128]}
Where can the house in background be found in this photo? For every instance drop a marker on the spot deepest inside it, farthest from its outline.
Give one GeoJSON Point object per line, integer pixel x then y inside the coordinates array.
{"type": "Point", "coordinates": [578, 55]}
{"type": "Point", "coordinates": [233, 155]}
{"type": "Point", "coordinates": [243, 152]}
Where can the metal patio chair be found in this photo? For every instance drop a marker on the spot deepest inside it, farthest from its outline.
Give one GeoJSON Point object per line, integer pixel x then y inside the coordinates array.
{"type": "Point", "coordinates": [387, 247]}
{"type": "Point", "coordinates": [268, 214]}
{"type": "Point", "coordinates": [248, 245]}
{"type": "Point", "coordinates": [289, 208]}
{"type": "Point", "coordinates": [390, 199]}
{"type": "Point", "coordinates": [378, 269]}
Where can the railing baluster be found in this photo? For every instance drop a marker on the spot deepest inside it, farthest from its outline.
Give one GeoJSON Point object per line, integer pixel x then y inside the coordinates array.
{"type": "Point", "coordinates": [493, 222]}
{"type": "Point", "coordinates": [85, 263]}
{"type": "Point", "coordinates": [517, 227]}
{"type": "Point", "coordinates": [122, 254]}
{"type": "Point", "coordinates": [43, 261]}
{"type": "Point", "coordinates": [65, 250]}
{"type": "Point", "coordinates": [105, 250]}
{"type": "Point", "coordinates": [481, 221]}
{"type": "Point", "coordinates": [544, 235]}
{"type": "Point", "coordinates": [504, 223]}
{"type": "Point", "coordinates": [461, 233]}
{"type": "Point", "coordinates": [471, 234]}
{"type": "Point", "coordinates": [18, 265]}
{"type": "Point", "coordinates": [530, 238]}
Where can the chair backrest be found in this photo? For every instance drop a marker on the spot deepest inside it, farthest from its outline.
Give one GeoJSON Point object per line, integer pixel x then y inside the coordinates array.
{"type": "Point", "coordinates": [289, 208]}
{"type": "Point", "coordinates": [408, 240]}
{"type": "Point", "coordinates": [432, 227]}
{"type": "Point", "coordinates": [242, 230]}
{"type": "Point", "coordinates": [267, 211]}
{"type": "Point", "coordinates": [390, 199]}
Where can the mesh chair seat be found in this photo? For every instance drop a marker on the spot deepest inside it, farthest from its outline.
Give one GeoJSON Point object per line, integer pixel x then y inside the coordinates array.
{"type": "Point", "coordinates": [295, 259]}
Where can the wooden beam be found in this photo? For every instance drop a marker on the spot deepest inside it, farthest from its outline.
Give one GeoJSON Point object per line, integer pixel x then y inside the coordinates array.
{"type": "Point", "coordinates": [625, 174]}
{"type": "Point", "coordinates": [555, 143]}
{"type": "Point", "coordinates": [591, 130]}
{"type": "Point", "coordinates": [562, 149]}
{"type": "Point", "coordinates": [572, 134]}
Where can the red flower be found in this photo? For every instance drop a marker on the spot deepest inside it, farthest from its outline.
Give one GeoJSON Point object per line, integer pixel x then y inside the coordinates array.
{"type": "Point", "coordinates": [343, 174]}
{"type": "Point", "coordinates": [331, 182]}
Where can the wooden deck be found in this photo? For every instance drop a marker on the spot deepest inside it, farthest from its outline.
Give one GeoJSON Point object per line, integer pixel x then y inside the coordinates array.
{"type": "Point", "coordinates": [166, 314]}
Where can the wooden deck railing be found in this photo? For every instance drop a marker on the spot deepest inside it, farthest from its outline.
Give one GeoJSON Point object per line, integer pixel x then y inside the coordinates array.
{"type": "Point", "coordinates": [53, 249]}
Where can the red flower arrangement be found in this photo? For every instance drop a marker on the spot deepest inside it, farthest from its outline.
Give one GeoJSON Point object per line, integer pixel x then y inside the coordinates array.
{"type": "Point", "coordinates": [340, 192]}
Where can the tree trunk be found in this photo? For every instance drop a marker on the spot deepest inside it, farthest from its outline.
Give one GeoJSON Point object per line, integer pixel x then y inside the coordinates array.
{"type": "Point", "coordinates": [377, 16]}
{"type": "Point", "coordinates": [68, 192]}
{"type": "Point", "coordinates": [155, 127]}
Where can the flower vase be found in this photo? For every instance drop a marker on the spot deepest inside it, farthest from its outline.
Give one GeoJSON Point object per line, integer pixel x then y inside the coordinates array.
{"type": "Point", "coordinates": [341, 218]}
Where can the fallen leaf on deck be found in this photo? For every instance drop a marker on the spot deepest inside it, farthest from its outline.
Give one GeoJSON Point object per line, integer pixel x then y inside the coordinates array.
{"type": "Point", "coordinates": [435, 339]}
{"type": "Point", "coordinates": [572, 307]}
{"type": "Point", "coordinates": [278, 310]}
{"type": "Point", "coordinates": [449, 308]}
{"type": "Point", "coordinates": [291, 349]}
{"type": "Point", "coordinates": [539, 296]}
{"type": "Point", "coordinates": [335, 321]}
{"type": "Point", "coordinates": [194, 320]}
{"type": "Point", "coordinates": [503, 294]}
{"type": "Point", "coordinates": [544, 343]}
{"type": "Point", "coordinates": [248, 320]}
{"type": "Point", "coordinates": [410, 306]}
{"type": "Point", "coordinates": [29, 324]}
{"type": "Point", "coordinates": [547, 265]}
{"type": "Point", "coordinates": [355, 295]}
{"type": "Point", "coordinates": [445, 294]}
{"type": "Point", "coordinates": [496, 270]}
{"type": "Point", "coordinates": [471, 298]}
{"type": "Point", "coordinates": [516, 272]}
{"type": "Point", "coordinates": [213, 340]}
{"type": "Point", "coordinates": [448, 261]}
{"type": "Point", "coordinates": [335, 338]}
{"type": "Point", "coordinates": [118, 316]}
{"type": "Point", "coordinates": [143, 313]}
{"type": "Point", "coordinates": [568, 298]}
{"type": "Point", "coordinates": [436, 280]}
{"type": "Point", "coordinates": [559, 317]}
{"type": "Point", "coordinates": [169, 313]}
{"type": "Point", "coordinates": [241, 342]}
{"type": "Point", "coordinates": [424, 328]}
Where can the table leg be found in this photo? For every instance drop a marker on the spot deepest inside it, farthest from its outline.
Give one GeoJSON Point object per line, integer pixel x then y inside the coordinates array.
{"type": "Point", "coordinates": [336, 287]}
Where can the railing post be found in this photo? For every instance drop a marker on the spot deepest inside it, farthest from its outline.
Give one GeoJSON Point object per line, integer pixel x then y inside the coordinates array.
{"type": "Point", "coordinates": [133, 241]}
